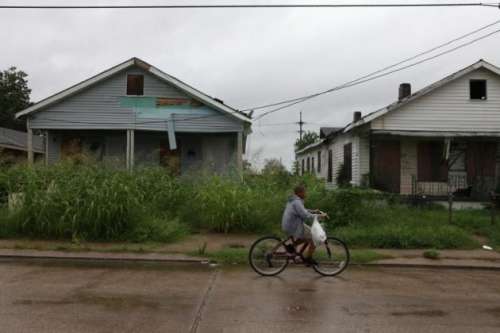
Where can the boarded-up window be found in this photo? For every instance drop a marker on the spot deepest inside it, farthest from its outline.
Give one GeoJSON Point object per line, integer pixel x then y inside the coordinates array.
{"type": "Point", "coordinates": [135, 85]}
{"type": "Point", "coordinates": [478, 89]}
{"type": "Point", "coordinates": [319, 162]}
{"type": "Point", "coordinates": [330, 166]}
{"type": "Point", "coordinates": [481, 160]}
{"type": "Point", "coordinates": [431, 165]}
{"type": "Point", "coordinates": [348, 160]}
{"type": "Point", "coordinates": [386, 165]}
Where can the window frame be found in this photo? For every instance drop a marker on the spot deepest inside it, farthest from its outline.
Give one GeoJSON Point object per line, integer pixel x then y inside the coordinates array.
{"type": "Point", "coordinates": [475, 81]}
{"type": "Point", "coordinates": [139, 91]}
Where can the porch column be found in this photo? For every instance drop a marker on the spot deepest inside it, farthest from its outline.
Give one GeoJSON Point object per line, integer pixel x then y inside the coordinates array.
{"type": "Point", "coordinates": [31, 155]}
{"type": "Point", "coordinates": [239, 151]}
{"type": "Point", "coordinates": [46, 137]}
{"type": "Point", "coordinates": [130, 149]}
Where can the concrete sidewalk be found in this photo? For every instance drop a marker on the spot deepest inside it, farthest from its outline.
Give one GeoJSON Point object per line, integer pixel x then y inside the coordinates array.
{"type": "Point", "coordinates": [474, 259]}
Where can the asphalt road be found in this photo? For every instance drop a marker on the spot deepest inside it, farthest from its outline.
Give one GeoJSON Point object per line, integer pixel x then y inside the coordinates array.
{"type": "Point", "coordinates": [69, 297]}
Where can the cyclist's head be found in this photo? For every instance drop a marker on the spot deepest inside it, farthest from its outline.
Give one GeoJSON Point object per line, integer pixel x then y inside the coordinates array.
{"type": "Point", "coordinates": [300, 191]}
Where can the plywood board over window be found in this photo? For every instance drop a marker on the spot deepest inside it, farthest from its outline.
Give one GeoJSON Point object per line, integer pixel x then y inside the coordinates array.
{"type": "Point", "coordinates": [386, 165]}
{"type": "Point", "coordinates": [330, 166]}
{"type": "Point", "coordinates": [348, 160]}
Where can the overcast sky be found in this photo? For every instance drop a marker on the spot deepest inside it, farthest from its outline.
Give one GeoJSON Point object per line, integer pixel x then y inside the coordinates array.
{"type": "Point", "coordinates": [249, 57]}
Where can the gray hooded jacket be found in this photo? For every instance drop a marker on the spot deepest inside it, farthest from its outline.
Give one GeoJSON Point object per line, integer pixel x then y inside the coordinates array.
{"type": "Point", "coordinates": [294, 217]}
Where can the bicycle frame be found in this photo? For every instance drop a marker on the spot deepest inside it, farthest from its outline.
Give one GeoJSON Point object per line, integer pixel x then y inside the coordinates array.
{"type": "Point", "coordinates": [296, 254]}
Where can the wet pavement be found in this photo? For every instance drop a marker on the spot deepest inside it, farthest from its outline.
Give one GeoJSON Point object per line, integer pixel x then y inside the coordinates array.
{"type": "Point", "coordinates": [112, 297]}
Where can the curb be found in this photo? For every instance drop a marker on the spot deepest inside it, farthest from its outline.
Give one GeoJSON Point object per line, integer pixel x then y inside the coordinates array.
{"type": "Point", "coordinates": [204, 261]}
{"type": "Point", "coordinates": [431, 266]}
{"type": "Point", "coordinates": [103, 259]}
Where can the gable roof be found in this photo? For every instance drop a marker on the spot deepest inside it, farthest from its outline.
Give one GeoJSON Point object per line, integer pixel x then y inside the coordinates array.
{"type": "Point", "coordinates": [196, 94]}
{"type": "Point", "coordinates": [18, 140]}
{"type": "Point", "coordinates": [396, 105]}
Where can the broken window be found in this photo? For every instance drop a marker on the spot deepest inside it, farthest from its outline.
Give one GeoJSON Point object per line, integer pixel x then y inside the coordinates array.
{"type": "Point", "coordinates": [135, 85]}
{"type": "Point", "coordinates": [478, 89]}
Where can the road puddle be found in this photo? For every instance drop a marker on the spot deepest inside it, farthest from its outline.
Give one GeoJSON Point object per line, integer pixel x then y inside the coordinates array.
{"type": "Point", "coordinates": [423, 313]}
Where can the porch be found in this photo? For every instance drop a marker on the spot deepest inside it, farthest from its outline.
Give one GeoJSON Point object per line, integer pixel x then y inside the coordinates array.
{"type": "Point", "coordinates": [214, 152]}
{"type": "Point", "coordinates": [468, 167]}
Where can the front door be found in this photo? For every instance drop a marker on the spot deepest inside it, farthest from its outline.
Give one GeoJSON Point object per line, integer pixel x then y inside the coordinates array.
{"type": "Point", "coordinates": [386, 166]}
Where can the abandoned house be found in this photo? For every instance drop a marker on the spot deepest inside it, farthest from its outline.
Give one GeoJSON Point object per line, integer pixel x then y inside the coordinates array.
{"type": "Point", "coordinates": [14, 145]}
{"type": "Point", "coordinates": [133, 114]}
{"type": "Point", "coordinates": [439, 140]}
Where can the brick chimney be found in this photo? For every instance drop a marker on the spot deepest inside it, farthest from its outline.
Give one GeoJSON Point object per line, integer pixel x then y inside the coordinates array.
{"type": "Point", "coordinates": [356, 117]}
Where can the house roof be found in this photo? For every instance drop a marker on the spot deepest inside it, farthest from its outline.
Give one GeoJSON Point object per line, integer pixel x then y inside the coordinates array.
{"type": "Point", "coordinates": [311, 146]}
{"type": "Point", "coordinates": [196, 94]}
{"type": "Point", "coordinates": [396, 105]}
{"type": "Point", "coordinates": [18, 140]}
{"type": "Point", "coordinates": [327, 131]}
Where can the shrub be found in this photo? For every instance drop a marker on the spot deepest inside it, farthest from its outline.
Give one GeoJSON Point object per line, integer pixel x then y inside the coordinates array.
{"type": "Point", "coordinates": [158, 230]}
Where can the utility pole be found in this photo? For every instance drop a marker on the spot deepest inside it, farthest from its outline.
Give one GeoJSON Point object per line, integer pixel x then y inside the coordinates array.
{"type": "Point", "coordinates": [301, 124]}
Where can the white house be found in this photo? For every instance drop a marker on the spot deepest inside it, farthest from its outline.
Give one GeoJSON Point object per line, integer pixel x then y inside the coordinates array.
{"type": "Point", "coordinates": [441, 138]}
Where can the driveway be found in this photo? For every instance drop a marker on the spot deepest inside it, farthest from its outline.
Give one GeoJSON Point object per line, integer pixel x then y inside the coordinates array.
{"type": "Point", "coordinates": [86, 297]}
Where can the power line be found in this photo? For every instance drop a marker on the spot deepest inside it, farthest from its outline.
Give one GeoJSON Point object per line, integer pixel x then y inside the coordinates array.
{"type": "Point", "coordinates": [385, 68]}
{"type": "Point", "coordinates": [306, 98]}
{"type": "Point", "coordinates": [243, 6]}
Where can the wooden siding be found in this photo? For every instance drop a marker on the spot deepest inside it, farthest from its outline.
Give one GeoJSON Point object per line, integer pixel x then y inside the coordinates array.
{"type": "Point", "coordinates": [449, 108]}
{"type": "Point", "coordinates": [99, 107]}
{"type": "Point", "coordinates": [360, 163]}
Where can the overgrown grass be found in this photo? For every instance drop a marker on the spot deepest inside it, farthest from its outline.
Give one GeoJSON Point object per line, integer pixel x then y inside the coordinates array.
{"type": "Point", "coordinates": [91, 202]}
{"type": "Point", "coordinates": [95, 203]}
{"type": "Point", "coordinates": [401, 227]}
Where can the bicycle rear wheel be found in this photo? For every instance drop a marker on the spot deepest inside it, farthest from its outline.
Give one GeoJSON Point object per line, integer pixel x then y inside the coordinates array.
{"type": "Point", "coordinates": [332, 257]}
{"type": "Point", "coordinates": [268, 256]}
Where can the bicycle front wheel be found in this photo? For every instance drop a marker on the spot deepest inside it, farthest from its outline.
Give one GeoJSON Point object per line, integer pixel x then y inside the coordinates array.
{"type": "Point", "coordinates": [332, 257]}
{"type": "Point", "coordinates": [268, 256]}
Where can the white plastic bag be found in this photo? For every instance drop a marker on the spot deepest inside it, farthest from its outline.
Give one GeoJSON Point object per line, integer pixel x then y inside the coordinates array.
{"type": "Point", "coordinates": [317, 232]}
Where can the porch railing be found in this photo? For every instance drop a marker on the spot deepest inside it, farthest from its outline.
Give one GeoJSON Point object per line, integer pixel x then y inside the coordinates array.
{"type": "Point", "coordinates": [458, 185]}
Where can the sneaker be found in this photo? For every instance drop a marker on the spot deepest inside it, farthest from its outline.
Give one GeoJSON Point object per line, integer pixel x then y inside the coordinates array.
{"type": "Point", "coordinates": [290, 248]}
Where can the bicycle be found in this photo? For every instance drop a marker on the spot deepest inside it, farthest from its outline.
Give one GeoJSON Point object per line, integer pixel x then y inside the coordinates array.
{"type": "Point", "coordinates": [270, 255]}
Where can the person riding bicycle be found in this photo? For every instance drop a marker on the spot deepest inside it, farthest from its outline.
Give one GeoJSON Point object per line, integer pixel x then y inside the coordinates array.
{"type": "Point", "coordinates": [293, 223]}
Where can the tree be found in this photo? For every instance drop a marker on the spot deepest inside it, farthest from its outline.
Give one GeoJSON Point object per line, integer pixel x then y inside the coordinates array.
{"type": "Point", "coordinates": [308, 138]}
{"type": "Point", "coordinates": [14, 97]}
{"type": "Point", "coordinates": [274, 166]}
